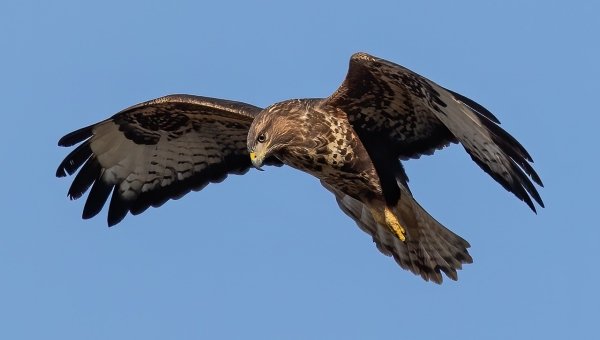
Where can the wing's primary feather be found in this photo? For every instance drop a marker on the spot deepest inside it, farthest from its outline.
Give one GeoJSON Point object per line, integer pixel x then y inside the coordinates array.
{"type": "Point", "coordinates": [156, 151]}
{"type": "Point", "coordinates": [417, 116]}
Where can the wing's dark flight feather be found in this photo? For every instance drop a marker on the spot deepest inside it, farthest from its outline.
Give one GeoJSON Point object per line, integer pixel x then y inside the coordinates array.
{"type": "Point", "coordinates": [514, 149]}
{"type": "Point", "coordinates": [156, 151]}
{"type": "Point", "coordinates": [76, 136]}
{"type": "Point", "coordinates": [88, 174]}
{"type": "Point", "coordinates": [474, 106]}
{"type": "Point", "coordinates": [74, 160]}
{"type": "Point", "coordinates": [96, 199]}
{"type": "Point", "coordinates": [118, 208]}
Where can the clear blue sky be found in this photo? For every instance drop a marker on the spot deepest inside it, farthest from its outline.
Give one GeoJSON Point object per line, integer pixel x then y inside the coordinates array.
{"type": "Point", "coordinates": [269, 255]}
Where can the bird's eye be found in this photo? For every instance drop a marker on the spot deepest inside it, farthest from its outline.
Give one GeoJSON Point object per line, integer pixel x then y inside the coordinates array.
{"type": "Point", "coordinates": [261, 138]}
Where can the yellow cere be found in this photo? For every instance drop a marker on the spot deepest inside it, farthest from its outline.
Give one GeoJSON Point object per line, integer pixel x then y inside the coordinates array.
{"type": "Point", "coordinates": [252, 156]}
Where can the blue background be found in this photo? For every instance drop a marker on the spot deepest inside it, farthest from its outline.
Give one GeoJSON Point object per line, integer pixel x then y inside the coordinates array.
{"type": "Point", "coordinates": [269, 255]}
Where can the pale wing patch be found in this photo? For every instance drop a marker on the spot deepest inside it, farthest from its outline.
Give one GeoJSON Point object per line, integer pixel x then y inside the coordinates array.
{"type": "Point", "coordinates": [115, 153]}
{"type": "Point", "coordinates": [142, 168]}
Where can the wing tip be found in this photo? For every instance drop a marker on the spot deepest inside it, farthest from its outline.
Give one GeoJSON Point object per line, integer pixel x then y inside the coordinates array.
{"type": "Point", "coordinates": [76, 136]}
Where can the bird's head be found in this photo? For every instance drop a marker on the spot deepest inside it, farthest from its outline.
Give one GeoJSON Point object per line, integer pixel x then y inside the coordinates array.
{"type": "Point", "coordinates": [272, 131]}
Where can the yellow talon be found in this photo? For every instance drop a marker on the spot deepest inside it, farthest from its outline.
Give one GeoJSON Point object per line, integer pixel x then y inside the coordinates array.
{"type": "Point", "coordinates": [394, 225]}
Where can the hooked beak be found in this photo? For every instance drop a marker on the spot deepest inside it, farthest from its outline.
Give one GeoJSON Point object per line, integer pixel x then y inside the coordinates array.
{"type": "Point", "coordinates": [257, 161]}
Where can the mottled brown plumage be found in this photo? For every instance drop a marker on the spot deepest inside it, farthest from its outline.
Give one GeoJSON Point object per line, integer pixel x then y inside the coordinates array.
{"type": "Point", "coordinates": [352, 141]}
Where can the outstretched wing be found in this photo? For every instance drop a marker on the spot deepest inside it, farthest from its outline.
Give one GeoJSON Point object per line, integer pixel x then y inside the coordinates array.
{"type": "Point", "coordinates": [415, 116]}
{"type": "Point", "coordinates": [155, 151]}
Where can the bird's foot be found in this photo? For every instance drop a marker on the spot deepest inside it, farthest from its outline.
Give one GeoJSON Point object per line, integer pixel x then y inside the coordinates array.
{"type": "Point", "coordinates": [394, 225]}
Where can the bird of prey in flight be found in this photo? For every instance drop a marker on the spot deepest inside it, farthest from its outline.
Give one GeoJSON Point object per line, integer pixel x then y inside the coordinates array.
{"type": "Point", "coordinates": [352, 141]}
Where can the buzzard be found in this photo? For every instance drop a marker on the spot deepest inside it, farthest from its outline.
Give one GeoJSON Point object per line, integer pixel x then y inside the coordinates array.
{"type": "Point", "coordinates": [352, 141]}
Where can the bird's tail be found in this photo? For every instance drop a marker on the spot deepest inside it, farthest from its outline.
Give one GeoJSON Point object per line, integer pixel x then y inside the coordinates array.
{"type": "Point", "coordinates": [428, 247]}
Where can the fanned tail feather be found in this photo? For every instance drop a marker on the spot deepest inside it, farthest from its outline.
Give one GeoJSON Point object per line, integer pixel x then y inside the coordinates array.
{"type": "Point", "coordinates": [435, 250]}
